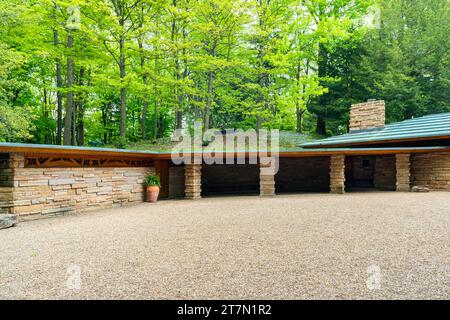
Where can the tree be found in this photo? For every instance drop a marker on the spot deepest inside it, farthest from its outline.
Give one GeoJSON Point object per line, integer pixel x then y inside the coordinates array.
{"type": "Point", "coordinates": [135, 70]}
{"type": "Point", "coordinates": [405, 61]}
{"type": "Point", "coordinates": [215, 23]}
{"type": "Point", "coordinates": [115, 22]}
{"type": "Point", "coordinates": [334, 21]}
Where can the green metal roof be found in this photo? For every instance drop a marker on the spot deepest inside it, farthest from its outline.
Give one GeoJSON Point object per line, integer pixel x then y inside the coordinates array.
{"type": "Point", "coordinates": [436, 125]}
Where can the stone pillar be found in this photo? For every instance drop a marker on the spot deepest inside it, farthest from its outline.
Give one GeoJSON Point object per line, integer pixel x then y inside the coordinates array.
{"type": "Point", "coordinates": [337, 174]}
{"type": "Point", "coordinates": [8, 167]}
{"type": "Point", "coordinates": [267, 173]}
{"type": "Point", "coordinates": [193, 181]}
{"type": "Point", "coordinates": [8, 181]}
{"type": "Point", "coordinates": [402, 165]}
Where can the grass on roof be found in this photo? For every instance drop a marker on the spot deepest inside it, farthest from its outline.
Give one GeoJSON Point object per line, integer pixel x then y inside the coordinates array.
{"type": "Point", "coordinates": [287, 140]}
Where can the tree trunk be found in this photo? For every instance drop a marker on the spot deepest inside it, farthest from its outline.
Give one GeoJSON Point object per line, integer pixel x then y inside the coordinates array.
{"type": "Point", "coordinates": [298, 111]}
{"type": "Point", "coordinates": [105, 122]}
{"type": "Point", "coordinates": [74, 124]}
{"type": "Point", "coordinates": [145, 102]}
{"type": "Point", "coordinates": [70, 79]}
{"type": "Point", "coordinates": [177, 73]}
{"type": "Point", "coordinates": [59, 96]}
{"type": "Point", "coordinates": [209, 99]}
{"type": "Point", "coordinates": [80, 114]}
{"type": "Point", "coordinates": [299, 118]}
{"type": "Point", "coordinates": [321, 127]}
{"type": "Point", "coordinates": [123, 91]}
{"type": "Point", "coordinates": [179, 96]}
{"type": "Point", "coordinates": [144, 115]}
{"type": "Point", "coordinates": [45, 114]}
{"type": "Point", "coordinates": [155, 111]}
{"type": "Point", "coordinates": [155, 121]}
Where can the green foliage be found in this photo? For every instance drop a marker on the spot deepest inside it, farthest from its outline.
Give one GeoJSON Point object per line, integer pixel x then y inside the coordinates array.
{"type": "Point", "coordinates": [403, 61]}
{"type": "Point", "coordinates": [14, 124]}
{"type": "Point", "coordinates": [406, 61]}
{"type": "Point", "coordinates": [153, 66]}
{"type": "Point", "coordinates": [153, 180]}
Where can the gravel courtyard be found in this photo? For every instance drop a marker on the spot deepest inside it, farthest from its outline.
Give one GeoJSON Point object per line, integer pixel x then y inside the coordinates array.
{"type": "Point", "coordinates": [305, 246]}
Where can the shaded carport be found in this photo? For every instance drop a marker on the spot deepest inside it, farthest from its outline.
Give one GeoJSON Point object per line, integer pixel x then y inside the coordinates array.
{"type": "Point", "coordinates": [335, 170]}
{"type": "Point", "coordinates": [231, 179]}
{"type": "Point", "coordinates": [306, 174]}
{"type": "Point", "coordinates": [370, 172]}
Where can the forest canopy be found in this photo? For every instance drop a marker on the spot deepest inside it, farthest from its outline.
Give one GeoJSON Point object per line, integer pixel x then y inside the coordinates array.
{"type": "Point", "coordinates": [114, 72]}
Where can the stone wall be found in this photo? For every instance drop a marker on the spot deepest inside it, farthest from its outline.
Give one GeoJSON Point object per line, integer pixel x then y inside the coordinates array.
{"type": "Point", "coordinates": [403, 172]}
{"type": "Point", "coordinates": [431, 170]}
{"type": "Point", "coordinates": [303, 175]}
{"type": "Point", "coordinates": [367, 115]}
{"type": "Point", "coordinates": [267, 171]}
{"type": "Point", "coordinates": [193, 181]}
{"type": "Point", "coordinates": [385, 173]}
{"type": "Point", "coordinates": [337, 174]}
{"type": "Point", "coordinates": [40, 192]}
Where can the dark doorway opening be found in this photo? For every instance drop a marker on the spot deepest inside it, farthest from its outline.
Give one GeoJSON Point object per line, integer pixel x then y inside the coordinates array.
{"type": "Point", "coordinates": [298, 175]}
{"type": "Point", "coordinates": [359, 173]}
{"type": "Point", "coordinates": [235, 179]}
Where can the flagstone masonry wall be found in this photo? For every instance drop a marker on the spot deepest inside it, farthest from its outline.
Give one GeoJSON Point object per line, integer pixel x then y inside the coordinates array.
{"type": "Point", "coordinates": [431, 170]}
{"type": "Point", "coordinates": [40, 192]}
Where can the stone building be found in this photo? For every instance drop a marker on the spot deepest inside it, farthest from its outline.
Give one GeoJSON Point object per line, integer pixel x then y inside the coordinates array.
{"type": "Point", "coordinates": [40, 180]}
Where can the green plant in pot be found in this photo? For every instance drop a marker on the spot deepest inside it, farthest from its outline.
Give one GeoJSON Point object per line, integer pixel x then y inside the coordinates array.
{"type": "Point", "coordinates": [153, 183]}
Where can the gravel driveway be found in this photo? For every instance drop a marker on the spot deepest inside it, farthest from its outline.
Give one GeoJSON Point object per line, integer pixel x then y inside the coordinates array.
{"type": "Point", "coordinates": [306, 246]}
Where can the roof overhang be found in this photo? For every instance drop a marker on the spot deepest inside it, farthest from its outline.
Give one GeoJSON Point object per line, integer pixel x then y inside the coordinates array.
{"type": "Point", "coordinates": [50, 150]}
{"type": "Point", "coordinates": [42, 149]}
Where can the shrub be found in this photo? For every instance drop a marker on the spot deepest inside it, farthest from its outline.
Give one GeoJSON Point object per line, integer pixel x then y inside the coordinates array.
{"type": "Point", "coordinates": [153, 180]}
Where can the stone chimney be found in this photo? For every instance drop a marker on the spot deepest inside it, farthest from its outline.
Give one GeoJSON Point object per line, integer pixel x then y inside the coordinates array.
{"type": "Point", "coordinates": [367, 115]}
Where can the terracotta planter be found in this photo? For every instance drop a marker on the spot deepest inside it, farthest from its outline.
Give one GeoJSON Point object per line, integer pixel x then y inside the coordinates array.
{"type": "Point", "coordinates": [152, 194]}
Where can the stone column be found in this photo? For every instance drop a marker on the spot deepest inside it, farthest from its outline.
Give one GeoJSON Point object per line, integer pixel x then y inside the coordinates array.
{"type": "Point", "coordinates": [402, 165]}
{"type": "Point", "coordinates": [193, 181]}
{"type": "Point", "coordinates": [267, 173]}
{"type": "Point", "coordinates": [337, 174]}
{"type": "Point", "coordinates": [8, 184]}
{"type": "Point", "coordinates": [8, 167]}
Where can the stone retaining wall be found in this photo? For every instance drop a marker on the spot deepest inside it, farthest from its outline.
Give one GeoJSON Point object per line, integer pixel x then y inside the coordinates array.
{"type": "Point", "coordinates": [431, 170]}
{"type": "Point", "coordinates": [40, 192]}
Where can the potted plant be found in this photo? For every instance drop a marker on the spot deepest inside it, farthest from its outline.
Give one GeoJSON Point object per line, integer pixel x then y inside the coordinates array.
{"type": "Point", "coordinates": [153, 183]}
